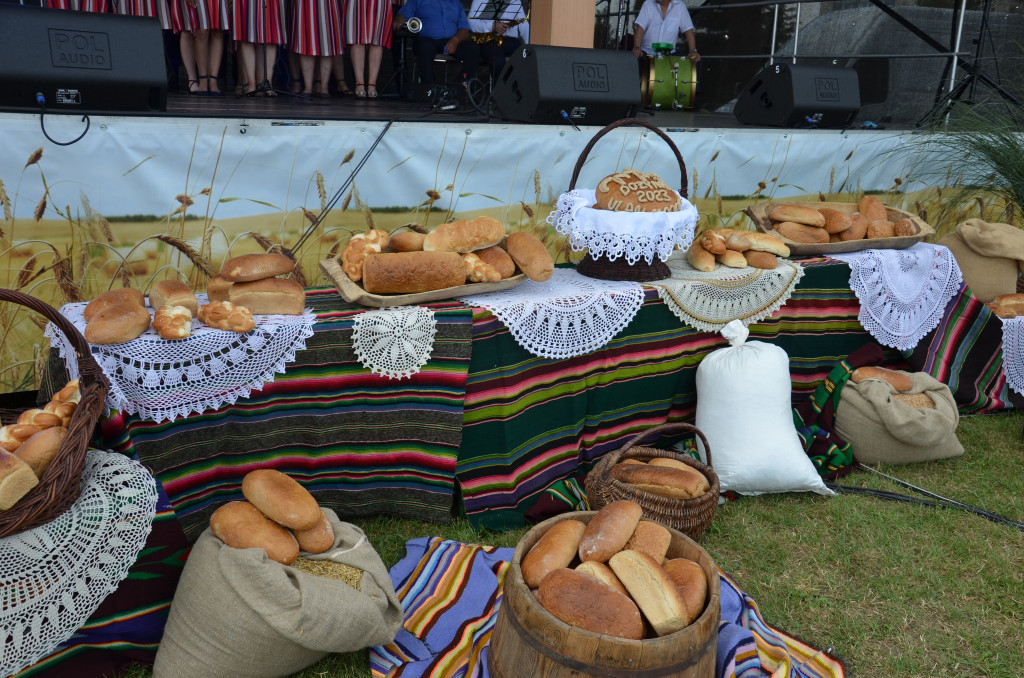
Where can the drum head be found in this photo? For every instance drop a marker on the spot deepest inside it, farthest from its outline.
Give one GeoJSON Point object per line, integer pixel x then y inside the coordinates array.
{"type": "Point", "coordinates": [669, 82]}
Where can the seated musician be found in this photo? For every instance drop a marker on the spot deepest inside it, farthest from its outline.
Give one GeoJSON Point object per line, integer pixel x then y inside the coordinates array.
{"type": "Point", "coordinates": [498, 37]}
{"type": "Point", "coordinates": [663, 21]}
{"type": "Point", "coordinates": [445, 30]}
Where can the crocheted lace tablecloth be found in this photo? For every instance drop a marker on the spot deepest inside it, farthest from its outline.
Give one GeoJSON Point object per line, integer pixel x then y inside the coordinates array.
{"type": "Point", "coordinates": [633, 235]}
{"type": "Point", "coordinates": [163, 380]}
{"type": "Point", "coordinates": [1013, 352]}
{"type": "Point", "coordinates": [53, 577]}
{"type": "Point", "coordinates": [708, 301]}
{"type": "Point", "coordinates": [903, 293]}
{"type": "Point", "coordinates": [394, 342]}
{"type": "Point", "coordinates": [567, 315]}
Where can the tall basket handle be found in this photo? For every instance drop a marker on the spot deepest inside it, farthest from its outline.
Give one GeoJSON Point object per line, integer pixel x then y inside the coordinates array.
{"type": "Point", "coordinates": [616, 455]}
{"type": "Point", "coordinates": [683, 189]}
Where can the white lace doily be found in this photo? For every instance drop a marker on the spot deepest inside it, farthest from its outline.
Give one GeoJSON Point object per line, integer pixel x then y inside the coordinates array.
{"type": "Point", "coordinates": [54, 577]}
{"type": "Point", "coordinates": [708, 301]}
{"type": "Point", "coordinates": [394, 342]}
{"type": "Point", "coordinates": [633, 235]}
{"type": "Point", "coordinates": [163, 380]}
{"type": "Point", "coordinates": [903, 293]}
{"type": "Point", "coordinates": [1013, 352]}
{"type": "Point", "coordinates": [567, 315]}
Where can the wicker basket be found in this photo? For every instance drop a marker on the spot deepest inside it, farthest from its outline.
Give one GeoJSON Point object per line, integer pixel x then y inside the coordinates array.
{"type": "Point", "coordinates": [58, 488]}
{"type": "Point", "coordinates": [689, 516]}
{"type": "Point", "coordinates": [619, 269]}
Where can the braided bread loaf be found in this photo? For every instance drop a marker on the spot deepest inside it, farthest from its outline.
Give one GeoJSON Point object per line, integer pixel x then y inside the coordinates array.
{"type": "Point", "coordinates": [371, 242]}
{"type": "Point", "coordinates": [224, 315]}
{"type": "Point", "coordinates": [173, 322]}
{"type": "Point", "coordinates": [478, 270]}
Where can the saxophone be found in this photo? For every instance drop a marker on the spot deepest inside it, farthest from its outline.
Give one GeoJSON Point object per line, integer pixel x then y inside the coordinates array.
{"type": "Point", "coordinates": [483, 38]}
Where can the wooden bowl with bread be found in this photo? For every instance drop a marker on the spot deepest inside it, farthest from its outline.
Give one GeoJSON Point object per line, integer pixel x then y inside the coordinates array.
{"type": "Point", "coordinates": [837, 226]}
{"type": "Point", "coordinates": [528, 640]}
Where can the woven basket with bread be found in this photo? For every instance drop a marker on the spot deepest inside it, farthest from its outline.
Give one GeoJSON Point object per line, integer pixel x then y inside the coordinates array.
{"type": "Point", "coordinates": [671, 488]}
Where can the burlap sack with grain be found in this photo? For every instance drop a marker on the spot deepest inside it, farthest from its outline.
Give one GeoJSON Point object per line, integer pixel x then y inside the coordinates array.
{"type": "Point", "coordinates": [882, 428]}
{"type": "Point", "coordinates": [238, 614]}
{"type": "Point", "coordinates": [990, 256]}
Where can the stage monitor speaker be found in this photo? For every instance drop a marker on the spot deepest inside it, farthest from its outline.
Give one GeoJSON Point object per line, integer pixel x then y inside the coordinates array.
{"type": "Point", "coordinates": [792, 95]}
{"type": "Point", "coordinates": [81, 62]}
{"type": "Point", "coordinates": [554, 85]}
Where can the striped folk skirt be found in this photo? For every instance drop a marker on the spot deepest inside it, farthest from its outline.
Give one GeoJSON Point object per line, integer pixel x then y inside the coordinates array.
{"type": "Point", "coordinates": [368, 22]}
{"type": "Point", "coordinates": [154, 8]}
{"type": "Point", "coordinates": [258, 21]}
{"type": "Point", "coordinates": [316, 27]}
{"type": "Point", "coordinates": [100, 6]}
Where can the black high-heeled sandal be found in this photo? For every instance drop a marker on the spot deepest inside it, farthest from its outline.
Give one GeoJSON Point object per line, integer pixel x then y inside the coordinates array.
{"type": "Point", "coordinates": [208, 93]}
{"type": "Point", "coordinates": [190, 84]}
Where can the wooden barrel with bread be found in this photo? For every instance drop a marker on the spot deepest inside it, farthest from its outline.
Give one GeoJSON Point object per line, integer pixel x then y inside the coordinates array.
{"type": "Point", "coordinates": [529, 641]}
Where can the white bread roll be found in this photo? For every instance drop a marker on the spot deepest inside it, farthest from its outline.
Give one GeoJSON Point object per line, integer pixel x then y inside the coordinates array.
{"type": "Point", "coordinates": [117, 323]}
{"type": "Point", "coordinates": [464, 236]}
{"type": "Point", "coordinates": [406, 241]}
{"type": "Point", "coordinates": [173, 293]}
{"type": "Point", "coordinates": [39, 450]}
{"type": "Point", "coordinates": [651, 538]}
{"type": "Point", "coordinates": [603, 574]}
{"type": "Point", "coordinates": [217, 289]}
{"type": "Point", "coordinates": [665, 481]}
{"type": "Point", "coordinates": [123, 295]}
{"type": "Point", "coordinates": [411, 272]}
{"type": "Point", "coordinates": [700, 258]}
{"type": "Point", "coordinates": [712, 241]}
{"type": "Point", "coordinates": [269, 296]}
{"type": "Point", "coordinates": [554, 550]}
{"type": "Point", "coordinates": [317, 539]}
{"type": "Point", "coordinates": [692, 583]}
{"type": "Point", "coordinates": [652, 590]}
{"type": "Point", "coordinates": [241, 525]}
{"type": "Point", "coordinates": [358, 247]}
{"type": "Point", "coordinates": [282, 499]}
{"type": "Point", "coordinates": [499, 259]}
{"type": "Point", "coordinates": [584, 602]}
{"type": "Point", "coordinates": [743, 241]}
{"type": "Point", "coordinates": [610, 528]}
{"type": "Point", "coordinates": [16, 479]}
{"type": "Point", "coordinates": [800, 214]}
{"type": "Point", "coordinates": [256, 266]}
{"type": "Point", "coordinates": [8, 441]}
{"type": "Point", "coordinates": [71, 393]}
{"type": "Point", "coordinates": [62, 410]}
{"type": "Point", "coordinates": [732, 258]}
{"type": "Point", "coordinates": [530, 254]}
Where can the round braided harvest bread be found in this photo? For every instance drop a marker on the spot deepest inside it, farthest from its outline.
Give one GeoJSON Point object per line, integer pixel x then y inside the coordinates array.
{"type": "Point", "coordinates": [224, 315]}
{"type": "Point", "coordinates": [173, 322]}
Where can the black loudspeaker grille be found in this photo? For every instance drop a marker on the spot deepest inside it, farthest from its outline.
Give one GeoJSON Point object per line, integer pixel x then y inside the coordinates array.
{"type": "Point", "coordinates": [792, 95]}
{"type": "Point", "coordinates": [81, 62]}
{"type": "Point", "coordinates": [591, 86]}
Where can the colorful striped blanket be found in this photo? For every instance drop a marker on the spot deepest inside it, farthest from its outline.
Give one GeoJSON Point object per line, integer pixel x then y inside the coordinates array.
{"type": "Point", "coordinates": [451, 591]}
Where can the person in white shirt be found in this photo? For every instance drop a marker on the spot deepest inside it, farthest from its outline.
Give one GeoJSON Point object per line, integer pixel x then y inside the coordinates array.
{"type": "Point", "coordinates": [507, 11]}
{"type": "Point", "coordinates": [663, 21]}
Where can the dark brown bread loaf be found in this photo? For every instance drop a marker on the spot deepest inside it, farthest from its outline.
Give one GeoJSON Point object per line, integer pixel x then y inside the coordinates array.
{"type": "Point", "coordinates": [583, 601]}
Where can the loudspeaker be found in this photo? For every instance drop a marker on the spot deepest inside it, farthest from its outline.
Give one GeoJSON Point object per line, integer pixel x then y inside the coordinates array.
{"type": "Point", "coordinates": [791, 95]}
{"type": "Point", "coordinates": [81, 62]}
{"type": "Point", "coordinates": [553, 85]}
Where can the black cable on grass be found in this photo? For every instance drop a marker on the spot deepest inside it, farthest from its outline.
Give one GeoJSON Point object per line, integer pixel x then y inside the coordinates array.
{"type": "Point", "coordinates": [937, 501]}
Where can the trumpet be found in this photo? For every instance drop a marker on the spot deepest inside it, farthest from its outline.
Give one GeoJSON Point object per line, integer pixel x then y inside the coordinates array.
{"type": "Point", "coordinates": [413, 25]}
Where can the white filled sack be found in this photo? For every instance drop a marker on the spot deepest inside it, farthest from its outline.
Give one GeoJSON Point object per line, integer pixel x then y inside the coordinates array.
{"type": "Point", "coordinates": [744, 407]}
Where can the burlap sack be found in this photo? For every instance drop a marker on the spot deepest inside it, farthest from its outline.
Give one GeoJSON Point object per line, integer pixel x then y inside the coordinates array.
{"type": "Point", "coordinates": [881, 428]}
{"type": "Point", "coordinates": [989, 254]}
{"type": "Point", "coordinates": [238, 614]}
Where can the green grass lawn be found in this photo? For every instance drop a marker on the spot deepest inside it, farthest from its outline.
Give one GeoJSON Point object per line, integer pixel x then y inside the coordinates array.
{"type": "Point", "coordinates": [889, 589]}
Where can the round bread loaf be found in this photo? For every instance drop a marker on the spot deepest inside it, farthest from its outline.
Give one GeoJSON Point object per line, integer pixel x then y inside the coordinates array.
{"type": "Point", "coordinates": [499, 259]}
{"type": "Point", "coordinates": [610, 528]}
{"type": "Point", "coordinates": [317, 539]}
{"type": "Point", "coordinates": [282, 499]}
{"type": "Point", "coordinates": [406, 241]}
{"type": "Point", "coordinates": [900, 381]}
{"type": "Point", "coordinates": [584, 602]}
{"type": "Point", "coordinates": [217, 289]}
{"type": "Point", "coordinates": [530, 255]}
{"type": "Point", "coordinates": [269, 296]}
{"type": "Point", "coordinates": [603, 574]}
{"type": "Point", "coordinates": [123, 295]}
{"type": "Point", "coordinates": [39, 450]}
{"type": "Point", "coordinates": [835, 221]}
{"type": "Point", "coordinates": [634, 191]}
{"type": "Point", "coordinates": [801, 232]}
{"type": "Point", "coordinates": [800, 214]}
{"type": "Point", "coordinates": [904, 227]}
{"type": "Point", "coordinates": [464, 236]}
{"type": "Point", "coordinates": [241, 525]}
{"type": "Point", "coordinates": [858, 228]}
{"type": "Point", "coordinates": [117, 323]}
{"type": "Point", "coordinates": [412, 272]}
{"type": "Point", "coordinates": [224, 315]}
{"type": "Point", "coordinates": [692, 584]}
{"type": "Point", "coordinates": [173, 293]}
{"type": "Point", "coordinates": [662, 480]}
{"type": "Point", "coordinates": [650, 538]}
{"type": "Point", "coordinates": [652, 590]}
{"type": "Point", "coordinates": [256, 266]}
{"type": "Point", "coordinates": [554, 550]}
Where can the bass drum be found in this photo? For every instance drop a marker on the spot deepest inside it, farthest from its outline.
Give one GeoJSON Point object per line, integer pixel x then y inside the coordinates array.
{"type": "Point", "coordinates": [669, 81]}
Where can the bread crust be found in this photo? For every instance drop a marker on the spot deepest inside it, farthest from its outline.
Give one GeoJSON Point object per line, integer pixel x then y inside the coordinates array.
{"type": "Point", "coordinates": [835, 221]}
{"type": "Point", "coordinates": [692, 583]}
{"type": "Point", "coordinates": [554, 550]}
{"type": "Point", "coordinates": [117, 323]}
{"type": "Point", "coordinates": [652, 590]}
{"type": "Point", "coordinates": [318, 538]}
{"type": "Point", "coordinates": [412, 272]}
{"type": "Point", "coordinates": [801, 232]}
{"type": "Point", "coordinates": [217, 289]}
{"type": "Point", "coordinates": [281, 498]}
{"type": "Point", "coordinates": [173, 293]}
{"type": "Point", "coordinates": [241, 525]}
{"type": "Point", "coordinates": [584, 602]}
{"type": "Point", "coordinates": [662, 480]}
{"type": "Point", "coordinates": [900, 381]}
{"type": "Point", "coordinates": [757, 259]}
{"type": "Point", "coordinates": [499, 259]}
{"type": "Point", "coordinates": [111, 297]}
{"type": "Point", "coordinates": [464, 236]}
{"type": "Point", "coordinates": [800, 214]}
{"type": "Point", "coordinates": [247, 267]}
{"type": "Point", "coordinates": [39, 450]}
{"type": "Point", "coordinates": [651, 538]}
{"type": "Point", "coordinates": [603, 574]}
{"type": "Point", "coordinates": [734, 259]}
{"type": "Point", "coordinates": [269, 296]}
{"type": "Point", "coordinates": [610, 528]}
{"type": "Point", "coordinates": [530, 254]}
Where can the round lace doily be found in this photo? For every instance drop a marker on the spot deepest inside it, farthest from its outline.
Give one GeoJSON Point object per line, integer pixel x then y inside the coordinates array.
{"type": "Point", "coordinates": [163, 380]}
{"type": "Point", "coordinates": [633, 235]}
{"type": "Point", "coordinates": [394, 342]}
{"type": "Point", "coordinates": [709, 301]}
{"type": "Point", "coordinates": [54, 577]}
{"type": "Point", "coordinates": [567, 315]}
{"type": "Point", "coordinates": [1013, 352]}
{"type": "Point", "coordinates": [903, 293]}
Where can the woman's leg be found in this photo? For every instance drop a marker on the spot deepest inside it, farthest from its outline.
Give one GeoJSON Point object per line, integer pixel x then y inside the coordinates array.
{"type": "Point", "coordinates": [338, 67]}
{"type": "Point", "coordinates": [247, 65]}
{"type": "Point", "coordinates": [202, 47]}
{"type": "Point", "coordinates": [307, 62]}
{"type": "Point", "coordinates": [215, 54]}
{"type": "Point", "coordinates": [376, 55]}
{"type": "Point", "coordinates": [358, 55]}
{"type": "Point", "coordinates": [324, 65]}
{"type": "Point", "coordinates": [188, 60]}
